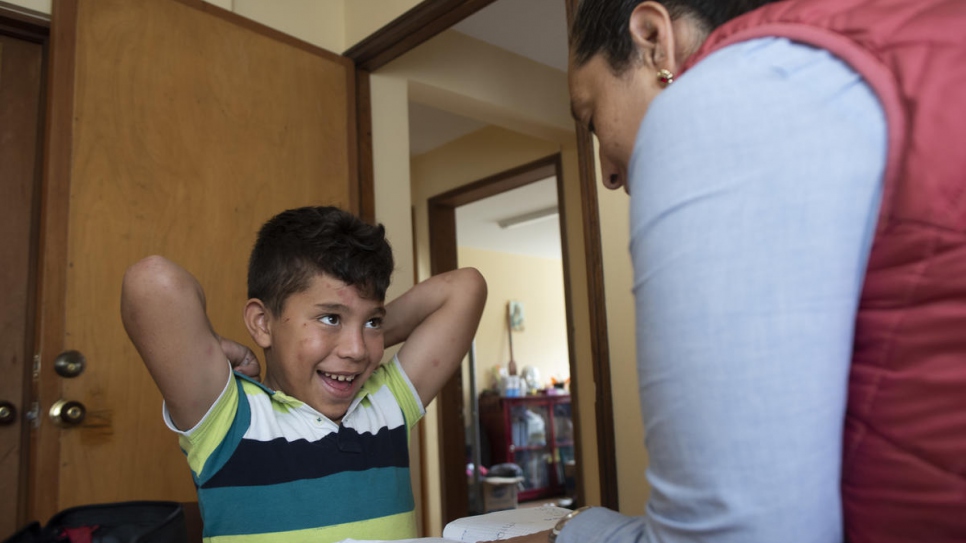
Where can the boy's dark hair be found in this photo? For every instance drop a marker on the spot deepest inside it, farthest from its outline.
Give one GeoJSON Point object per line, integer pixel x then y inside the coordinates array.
{"type": "Point", "coordinates": [601, 26]}
{"type": "Point", "coordinates": [298, 244]}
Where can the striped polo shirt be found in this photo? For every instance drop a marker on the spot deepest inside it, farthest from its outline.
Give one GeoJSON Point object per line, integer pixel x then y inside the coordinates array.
{"type": "Point", "coordinates": [270, 468]}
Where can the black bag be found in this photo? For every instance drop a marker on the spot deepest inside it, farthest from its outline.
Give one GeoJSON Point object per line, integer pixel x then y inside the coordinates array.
{"type": "Point", "coordinates": [125, 522]}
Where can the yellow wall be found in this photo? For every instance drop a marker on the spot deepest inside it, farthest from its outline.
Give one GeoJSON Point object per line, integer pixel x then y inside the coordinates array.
{"type": "Point", "coordinates": [618, 282]}
{"type": "Point", "coordinates": [40, 6]}
{"type": "Point", "coordinates": [535, 282]}
{"type": "Point", "coordinates": [462, 75]}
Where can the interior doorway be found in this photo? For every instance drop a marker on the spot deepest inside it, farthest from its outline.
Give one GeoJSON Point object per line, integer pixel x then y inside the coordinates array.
{"type": "Point", "coordinates": [407, 35]}
{"type": "Point", "coordinates": [508, 226]}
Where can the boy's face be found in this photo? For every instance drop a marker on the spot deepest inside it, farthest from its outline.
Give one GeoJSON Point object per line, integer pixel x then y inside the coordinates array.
{"type": "Point", "coordinates": [325, 344]}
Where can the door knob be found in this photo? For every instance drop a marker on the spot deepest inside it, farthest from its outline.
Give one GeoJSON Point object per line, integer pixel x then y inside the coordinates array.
{"type": "Point", "coordinates": [8, 413]}
{"type": "Point", "coordinates": [67, 413]}
{"type": "Point", "coordinates": [70, 364]}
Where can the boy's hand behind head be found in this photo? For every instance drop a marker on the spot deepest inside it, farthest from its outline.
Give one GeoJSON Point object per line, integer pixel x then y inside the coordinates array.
{"type": "Point", "coordinates": [242, 358]}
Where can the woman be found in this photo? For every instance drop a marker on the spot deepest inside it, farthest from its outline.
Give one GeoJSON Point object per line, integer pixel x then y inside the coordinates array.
{"type": "Point", "coordinates": [798, 234]}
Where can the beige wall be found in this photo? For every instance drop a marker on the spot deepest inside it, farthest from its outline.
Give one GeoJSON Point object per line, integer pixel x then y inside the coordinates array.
{"type": "Point", "coordinates": [40, 6]}
{"type": "Point", "coordinates": [535, 282]}
{"type": "Point", "coordinates": [618, 282]}
{"type": "Point", "coordinates": [466, 76]}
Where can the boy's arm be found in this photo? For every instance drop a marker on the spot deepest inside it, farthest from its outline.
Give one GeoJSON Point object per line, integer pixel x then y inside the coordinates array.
{"type": "Point", "coordinates": [163, 310]}
{"type": "Point", "coordinates": [437, 319]}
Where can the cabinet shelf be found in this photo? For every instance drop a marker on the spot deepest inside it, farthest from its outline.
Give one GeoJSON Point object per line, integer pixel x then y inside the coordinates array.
{"type": "Point", "coordinates": [534, 432]}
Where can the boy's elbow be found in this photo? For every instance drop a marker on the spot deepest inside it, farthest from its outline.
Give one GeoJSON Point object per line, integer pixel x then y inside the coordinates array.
{"type": "Point", "coordinates": [153, 277]}
{"type": "Point", "coordinates": [473, 283]}
{"type": "Point", "coordinates": [145, 275]}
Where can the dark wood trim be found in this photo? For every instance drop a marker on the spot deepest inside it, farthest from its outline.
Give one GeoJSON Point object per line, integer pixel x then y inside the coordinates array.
{"type": "Point", "coordinates": [571, 332]}
{"type": "Point", "coordinates": [353, 114]}
{"type": "Point", "coordinates": [44, 470]}
{"type": "Point", "coordinates": [600, 345]}
{"type": "Point", "coordinates": [365, 191]}
{"type": "Point", "coordinates": [21, 25]}
{"type": "Point", "coordinates": [454, 490]}
{"type": "Point", "coordinates": [501, 182]}
{"type": "Point", "coordinates": [599, 342]}
{"type": "Point", "coordinates": [266, 31]}
{"type": "Point", "coordinates": [403, 34]}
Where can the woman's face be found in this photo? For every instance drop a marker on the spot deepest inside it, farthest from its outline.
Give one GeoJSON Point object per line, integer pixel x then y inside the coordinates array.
{"type": "Point", "coordinates": [612, 106]}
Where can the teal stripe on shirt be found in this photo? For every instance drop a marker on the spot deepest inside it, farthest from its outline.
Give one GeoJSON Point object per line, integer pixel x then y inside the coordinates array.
{"type": "Point", "coordinates": [355, 496]}
{"type": "Point", "coordinates": [227, 447]}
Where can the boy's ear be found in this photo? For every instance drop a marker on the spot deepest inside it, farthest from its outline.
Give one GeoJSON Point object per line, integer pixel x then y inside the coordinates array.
{"type": "Point", "coordinates": [257, 320]}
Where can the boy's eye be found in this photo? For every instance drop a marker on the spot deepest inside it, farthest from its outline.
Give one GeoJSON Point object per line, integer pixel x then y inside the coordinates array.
{"type": "Point", "coordinates": [374, 323]}
{"type": "Point", "coordinates": [332, 320]}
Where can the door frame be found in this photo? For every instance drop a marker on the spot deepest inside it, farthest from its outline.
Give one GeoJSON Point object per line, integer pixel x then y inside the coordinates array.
{"type": "Point", "coordinates": [421, 23]}
{"type": "Point", "coordinates": [25, 25]}
{"type": "Point", "coordinates": [443, 258]}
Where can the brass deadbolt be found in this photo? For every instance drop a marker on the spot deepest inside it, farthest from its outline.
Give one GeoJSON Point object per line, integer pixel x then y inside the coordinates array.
{"type": "Point", "coordinates": [67, 413]}
{"type": "Point", "coordinates": [8, 413]}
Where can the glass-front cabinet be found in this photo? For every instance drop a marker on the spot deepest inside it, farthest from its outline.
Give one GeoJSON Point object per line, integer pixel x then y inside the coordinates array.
{"type": "Point", "coordinates": [535, 433]}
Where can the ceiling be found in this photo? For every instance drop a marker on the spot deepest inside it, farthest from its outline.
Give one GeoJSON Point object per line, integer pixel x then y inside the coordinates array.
{"type": "Point", "coordinates": [476, 223]}
{"type": "Point", "coordinates": [537, 30]}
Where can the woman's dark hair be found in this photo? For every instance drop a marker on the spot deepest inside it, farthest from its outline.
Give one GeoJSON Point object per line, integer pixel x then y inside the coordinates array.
{"type": "Point", "coordinates": [298, 244]}
{"type": "Point", "coordinates": [601, 26]}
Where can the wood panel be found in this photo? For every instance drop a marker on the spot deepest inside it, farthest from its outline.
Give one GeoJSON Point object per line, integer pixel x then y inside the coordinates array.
{"type": "Point", "coordinates": [21, 93]}
{"type": "Point", "coordinates": [190, 129]}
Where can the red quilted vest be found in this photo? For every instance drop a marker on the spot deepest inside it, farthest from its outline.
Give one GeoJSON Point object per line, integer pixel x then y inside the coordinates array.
{"type": "Point", "coordinates": [904, 458]}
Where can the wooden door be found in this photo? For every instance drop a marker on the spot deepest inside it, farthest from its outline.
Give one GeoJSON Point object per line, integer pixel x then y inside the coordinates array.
{"type": "Point", "coordinates": [21, 76]}
{"type": "Point", "coordinates": [176, 128]}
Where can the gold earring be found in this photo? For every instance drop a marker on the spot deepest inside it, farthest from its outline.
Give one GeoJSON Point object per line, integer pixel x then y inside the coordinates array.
{"type": "Point", "coordinates": [665, 76]}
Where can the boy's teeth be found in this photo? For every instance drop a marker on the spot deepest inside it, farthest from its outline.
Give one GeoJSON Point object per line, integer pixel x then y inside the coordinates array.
{"type": "Point", "coordinates": [349, 378]}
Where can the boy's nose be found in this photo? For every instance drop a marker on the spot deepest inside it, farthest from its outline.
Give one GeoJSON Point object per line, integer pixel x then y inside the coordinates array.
{"type": "Point", "coordinates": [352, 345]}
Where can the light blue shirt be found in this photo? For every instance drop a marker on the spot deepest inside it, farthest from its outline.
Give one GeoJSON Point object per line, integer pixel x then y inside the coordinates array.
{"type": "Point", "coordinates": [755, 186]}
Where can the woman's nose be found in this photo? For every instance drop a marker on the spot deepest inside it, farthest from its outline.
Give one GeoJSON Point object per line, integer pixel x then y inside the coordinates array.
{"type": "Point", "coordinates": [610, 173]}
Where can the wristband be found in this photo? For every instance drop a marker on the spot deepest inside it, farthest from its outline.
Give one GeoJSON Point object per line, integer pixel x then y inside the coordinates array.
{"type": "Point", "coordinates": [563, 521]}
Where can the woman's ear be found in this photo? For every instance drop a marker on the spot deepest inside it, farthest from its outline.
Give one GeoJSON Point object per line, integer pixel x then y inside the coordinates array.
{"type": "Point", "coordinates": [258, 322]}
{"type": "Point", "coordinates": [652, 32]}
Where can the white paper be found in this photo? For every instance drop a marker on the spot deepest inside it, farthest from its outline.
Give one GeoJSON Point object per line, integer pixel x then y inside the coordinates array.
{"type": "Point", "coordinates": [490, 526]}
{"type": "Point", "coordinates": [504, 524]}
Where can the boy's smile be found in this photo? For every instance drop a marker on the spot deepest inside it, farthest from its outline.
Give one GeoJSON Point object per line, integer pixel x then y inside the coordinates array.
{"type": "Point", "coordinates": [325, 344]}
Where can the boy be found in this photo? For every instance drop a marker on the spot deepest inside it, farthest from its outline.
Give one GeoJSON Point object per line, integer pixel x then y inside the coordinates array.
{"type": "Point", "coordinates": [320, 451]}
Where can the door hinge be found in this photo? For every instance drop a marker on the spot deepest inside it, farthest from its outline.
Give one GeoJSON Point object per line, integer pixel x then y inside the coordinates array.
{"type": "Point", "coordinates": [36, 367]}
